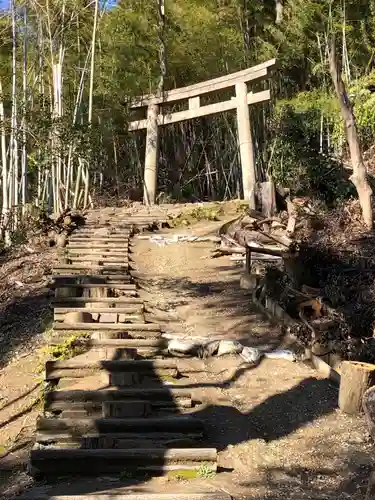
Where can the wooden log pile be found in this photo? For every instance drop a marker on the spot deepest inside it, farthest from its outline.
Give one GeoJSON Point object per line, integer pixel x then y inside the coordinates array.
{"type": "Point", "coordinates": [60, 227]}
{"type": "Point", "coordinates": [276, 274]}
{"type": "Point", "coordinates": [265, 238]}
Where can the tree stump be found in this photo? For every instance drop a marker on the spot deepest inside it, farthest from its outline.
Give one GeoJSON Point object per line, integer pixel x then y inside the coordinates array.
{"type": "Point", "coordinates": [356, 378]}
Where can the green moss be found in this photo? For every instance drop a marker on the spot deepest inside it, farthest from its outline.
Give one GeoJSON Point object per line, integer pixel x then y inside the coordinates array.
{"type": "Point", "coordinates": [210, 212]}
{"type": "Point", "coordinates": [204, 471]}
{"type": "Point", "coordinates": [166, 378]}
{"type": "Point", "coordinates": [72, 346]}
{"type": "Point", "coordinates": [183, 474]}
{"type": "Point", "coordinates": [241, 206]}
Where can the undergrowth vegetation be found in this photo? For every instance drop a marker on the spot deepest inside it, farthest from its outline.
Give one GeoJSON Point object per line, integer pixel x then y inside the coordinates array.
{"type": "Point", "coordinates": [72, 346]}
{"type": "Point", "coordinates": [210, 212]}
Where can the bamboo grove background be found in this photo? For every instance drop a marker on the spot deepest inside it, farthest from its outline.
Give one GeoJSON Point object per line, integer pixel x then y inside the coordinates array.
{"type": "Point", "coordinates": [68, 68]}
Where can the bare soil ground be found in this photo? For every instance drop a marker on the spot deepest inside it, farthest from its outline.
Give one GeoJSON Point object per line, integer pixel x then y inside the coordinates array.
{"type": "Point", "coordinates": [25, 316]}
{"type": "Point", "coordinates": [276, 426]}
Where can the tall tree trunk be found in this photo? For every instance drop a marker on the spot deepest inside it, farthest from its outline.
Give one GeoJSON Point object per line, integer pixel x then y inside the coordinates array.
{"type": "Point", "coordinates": [24, 137]}
{"type": "Point", "coordinates": [13, 199]}
{"type": "Point", "coordinates": [162, 46]}
{"type": "Point", "coordinates": [359, 176]}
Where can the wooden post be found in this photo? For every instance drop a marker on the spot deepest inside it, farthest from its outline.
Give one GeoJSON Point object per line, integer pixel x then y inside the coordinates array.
{"type": "Point", "coordinates": [246, 144]}
{"type": "Point", "coordinates": [268, 196]}
{"type": "Point", "coordinates": [151, 156]}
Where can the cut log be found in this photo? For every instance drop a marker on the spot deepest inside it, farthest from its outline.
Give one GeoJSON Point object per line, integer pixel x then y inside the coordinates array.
{"type": "Point", "coordinates": [356, 378]}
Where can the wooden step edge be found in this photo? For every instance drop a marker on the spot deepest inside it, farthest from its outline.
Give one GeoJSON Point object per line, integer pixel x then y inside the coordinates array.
{"type": "Point", "coordinates": [180, 423]}
{"type": "Point", "coordinates": [47, 437]}
{"type": "Point", "coordinates": [98, 310]}
{"type": "Point", "coordinates": [79, 267]}
{"type": "Point", "coordinates": [114, 343]}
{"type": "Point", "coordinates": [81, 395]}
{"type": "Point", "coordinates": [118, 286]}
{"type": "Point", "coordinates": [114, 300]}
{"type": "Point", "coordinates": [219, 495]}
{"type": "Point", "coordinates": [171, 454]}
{"type": "Point", "coordinates": [124, 327]}
{"type": "Point", "coordinates": [55, 406]}
{"type": "Point", "coordinates": [112, 365]}
{"type": "Point", "coordinates": [110, 278]}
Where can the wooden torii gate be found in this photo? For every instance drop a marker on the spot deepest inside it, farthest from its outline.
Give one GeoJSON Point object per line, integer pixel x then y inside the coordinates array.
{"type": "Point", "coordinates": [156, 118]}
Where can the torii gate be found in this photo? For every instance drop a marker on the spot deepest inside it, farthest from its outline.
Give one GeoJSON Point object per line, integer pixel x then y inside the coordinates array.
{"type": "Point", "coordinates": [192, 93]}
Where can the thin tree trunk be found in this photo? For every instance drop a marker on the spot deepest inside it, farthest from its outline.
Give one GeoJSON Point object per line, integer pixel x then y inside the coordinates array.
{"type": "Point", "coordinates": [5, 208]}
{"type": "Point", "coordinates": [14, 143]}
{"type": "Point", "coordinates": [162, 46]}
{"type": "Point", "coordinates": [359, 176]}
{"type": "Point", "coordinates": [24, 82]}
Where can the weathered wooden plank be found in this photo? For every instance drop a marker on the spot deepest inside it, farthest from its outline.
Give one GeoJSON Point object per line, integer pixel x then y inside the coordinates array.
{"type": "Point", "coordinates": [111, 365]}
{"type": "Point", "coordinates": [120, 327]}
{"type": "Point", "coordinates": [122, 237]}
{"type": "Point", "coordinates": [97, 310]}
{"type": "Point", "coordinates": [96, 468]}
{"type": "Point", "coordinates": [96, 268]}
{"type": "Point", "coordinates": [139, 365]}
{"type": "Point", "coordinates": [149, 437]}
{"type": "Point", "coordinates": [157, 455]}
{"type": "Point", "coordinates": [133, 496]}
{"type": "Point", "coordinates": [180, 423]}
{"type": "Point", "coordinates": [93, 245]}
{"type": "Point", "coordinates": [109, 300]}
{"type": "Point", "coordinates": [94, 250]}
{"type": "Point", "coordinates": [117, 286]}
{"type": "Point", "coordinates": [96, 407]}
{"type": "Point", "coordinates": [125, 277]}
{"type": "Point", "coordinates": [157, 368]}
{"type": "Point", "coordinates": [209, 109]}
{"type": "Point", "coordinates": [111, 343]}
{"type": "Point", "coordinates": [97, 259]}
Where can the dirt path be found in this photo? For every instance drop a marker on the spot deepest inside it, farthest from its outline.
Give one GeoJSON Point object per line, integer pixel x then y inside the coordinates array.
{"type": "Point", "coordinates": [277, 427]}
